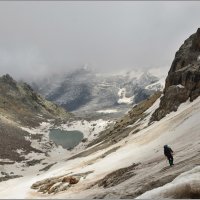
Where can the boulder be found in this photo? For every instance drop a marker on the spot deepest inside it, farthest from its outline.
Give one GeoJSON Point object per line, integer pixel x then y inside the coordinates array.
{"type": "Point", "coordinates": [70, 179]}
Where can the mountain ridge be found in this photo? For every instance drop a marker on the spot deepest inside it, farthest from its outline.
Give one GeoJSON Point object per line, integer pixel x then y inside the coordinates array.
{"type": "Point", "coordinates": [85, 92]}
{"type": "Point", "coordinates": [21, 103]}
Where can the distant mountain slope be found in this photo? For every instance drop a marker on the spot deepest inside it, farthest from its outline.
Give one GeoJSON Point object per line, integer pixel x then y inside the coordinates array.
{"type": "Point", "coordinates": [84, 92]}
{"type": "Point", "coordinates": [21, 107]}
{"type": "Point", "coordinates": [20, 103]}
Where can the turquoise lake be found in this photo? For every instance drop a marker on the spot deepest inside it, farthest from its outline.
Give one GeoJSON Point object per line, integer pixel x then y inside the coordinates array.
{"type": "Point", "coordinates": [67, 139]}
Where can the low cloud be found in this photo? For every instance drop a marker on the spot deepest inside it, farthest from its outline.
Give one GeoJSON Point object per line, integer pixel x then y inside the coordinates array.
{"type": "Point", "coordinates": [41, 38]}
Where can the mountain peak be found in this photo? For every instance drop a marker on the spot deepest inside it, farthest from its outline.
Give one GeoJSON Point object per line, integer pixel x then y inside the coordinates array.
{"type": "Point", "coordinates": [196, 41]}
{"type": "Point", "coordinates": [7, 79]}
{"type": "Point", "coordinates": [183, 80]}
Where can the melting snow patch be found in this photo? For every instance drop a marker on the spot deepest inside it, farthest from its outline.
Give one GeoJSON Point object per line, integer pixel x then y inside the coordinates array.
{"type": "Point", "coordinates": [90, 129]}
{"type": "Point", "coordinates": [20, 151]}
{"type": "Point", "coordinates": [123, 98]}
{"type": "Point", "coordinates": [154, 106]}
{"type": "Point", "coordinates": [5, 160]}
{"type": "Point", "coordinates": [107, 111]}
{"type": "Point", "coordinates": [157, 86]}
{"type": "Point", "coordinates": [44, 127]}
{"type": "Point", "coordinates": [180, 86]}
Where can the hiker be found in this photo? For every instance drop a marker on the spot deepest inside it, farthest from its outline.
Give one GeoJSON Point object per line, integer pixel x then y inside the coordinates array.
{"type": "Point", "coordinates": [169, 154]}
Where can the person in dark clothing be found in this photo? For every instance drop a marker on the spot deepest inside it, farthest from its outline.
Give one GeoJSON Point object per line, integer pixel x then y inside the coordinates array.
{"type": "Point", "coordinates": [169, 154]}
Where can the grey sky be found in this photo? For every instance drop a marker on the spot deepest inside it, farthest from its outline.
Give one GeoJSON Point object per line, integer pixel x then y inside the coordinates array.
{"type": "Point", "coordinates": [37, 38]}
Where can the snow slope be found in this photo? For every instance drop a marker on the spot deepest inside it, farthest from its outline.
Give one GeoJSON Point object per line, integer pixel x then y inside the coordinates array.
{"type": "Point", "coordinates": [179, 129]}
{"type": "Point", "coordinates": [184, 186]}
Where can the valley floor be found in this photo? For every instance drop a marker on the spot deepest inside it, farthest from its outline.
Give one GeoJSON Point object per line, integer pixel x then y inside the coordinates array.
{"type": "Point", "coordinates": [141, 157]}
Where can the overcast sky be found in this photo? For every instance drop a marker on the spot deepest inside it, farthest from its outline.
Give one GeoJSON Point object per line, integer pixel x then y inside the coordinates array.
{"type": "Point", "coordinates": [38, 38]}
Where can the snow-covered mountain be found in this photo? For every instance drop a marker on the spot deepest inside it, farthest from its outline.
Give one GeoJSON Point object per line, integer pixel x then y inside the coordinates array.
{"type": "Point", "coordinates": [85, 92]}
{"type": "Point", "coordinates": [125, 159]}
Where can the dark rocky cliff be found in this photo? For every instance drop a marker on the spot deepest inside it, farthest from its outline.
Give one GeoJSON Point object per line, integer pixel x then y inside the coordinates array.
{"type": "Point", "coordinates": [183, 80]}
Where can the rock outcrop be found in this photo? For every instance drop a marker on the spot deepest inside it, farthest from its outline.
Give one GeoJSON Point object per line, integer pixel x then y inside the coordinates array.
{"type": "Point", "coordinates": [118, 176]}
{"type": "Point", "coordinates": [57, 184]}
{"type": "Point", "coordinates": [183, 80]}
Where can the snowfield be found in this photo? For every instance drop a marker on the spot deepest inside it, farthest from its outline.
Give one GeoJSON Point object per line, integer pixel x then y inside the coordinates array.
{"type": "Point", "coordinates": [186, 185]}
{"type": "Point", "coordinates": [180, 130]}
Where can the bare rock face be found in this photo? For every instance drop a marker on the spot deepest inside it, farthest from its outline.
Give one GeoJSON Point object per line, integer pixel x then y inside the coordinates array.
{"type": "Point", "coordinates": [183, 80]}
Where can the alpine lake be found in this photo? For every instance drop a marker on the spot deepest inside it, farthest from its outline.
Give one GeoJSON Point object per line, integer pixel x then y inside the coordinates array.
{"type": "Point", "coordinates": [67, 139]}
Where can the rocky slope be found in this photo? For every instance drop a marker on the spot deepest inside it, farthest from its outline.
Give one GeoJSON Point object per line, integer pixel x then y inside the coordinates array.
{"type": "Point", "coordinates": [183, 80]}
{"type": "Point", "coordinates": [21, 107]}
{"type": "Point", "coordinates": [21, 104]}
